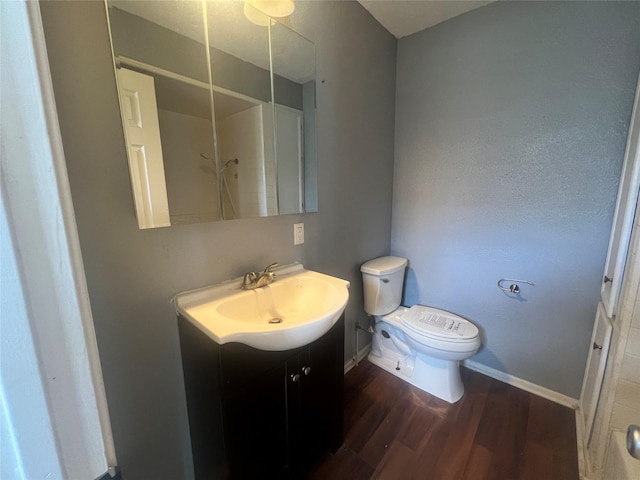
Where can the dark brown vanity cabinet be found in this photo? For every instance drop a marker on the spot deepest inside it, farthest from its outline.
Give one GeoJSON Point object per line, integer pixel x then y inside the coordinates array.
{"type": "Point", "coordinates": [259, 414]}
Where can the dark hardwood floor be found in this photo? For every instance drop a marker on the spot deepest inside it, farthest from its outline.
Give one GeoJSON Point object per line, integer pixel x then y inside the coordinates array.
{"type": "Point", "coordinates": [495, 432]}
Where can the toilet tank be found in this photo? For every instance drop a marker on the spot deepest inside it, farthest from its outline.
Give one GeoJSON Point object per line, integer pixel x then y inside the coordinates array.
{"type": "Point", "coordinates": [382, 280]}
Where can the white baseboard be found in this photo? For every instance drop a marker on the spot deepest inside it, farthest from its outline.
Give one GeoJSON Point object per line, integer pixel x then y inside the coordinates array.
{"type": "Point", "coordinates": [523, 384]}
{"type": "Point", "coordinates": [352, 361]}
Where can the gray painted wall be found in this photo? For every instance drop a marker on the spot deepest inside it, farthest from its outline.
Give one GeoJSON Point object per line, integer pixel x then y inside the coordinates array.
{"type": "Point", "coordinates": [132, 274]}
{"type": "Point", "coordinates": [511, 123]}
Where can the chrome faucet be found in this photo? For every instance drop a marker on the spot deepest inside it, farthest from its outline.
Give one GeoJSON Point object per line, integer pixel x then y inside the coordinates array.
{"type": "Point", "coordinates": [256, 280]}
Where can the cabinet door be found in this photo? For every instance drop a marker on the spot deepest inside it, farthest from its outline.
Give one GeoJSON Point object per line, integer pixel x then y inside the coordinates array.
{"type": "Point", "coordinates": [315, 406]}
{"type": "Point", "coordinates": [295, 434]}
{"type": "Point", "coordinates": [255, 427]}
{"type": "Point", "coordinates": [321, 392]}
{"type": "Point", "coordinates": [596, 364]}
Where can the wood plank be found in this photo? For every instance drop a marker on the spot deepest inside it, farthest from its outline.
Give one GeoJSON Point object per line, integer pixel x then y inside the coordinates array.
{"type": "Point", "coordinates": [494, 432]}
{"type": "Point", "coordinates": [418, 427]}
{"type": "Point", "coordinates": [344, 464]}
{"type": "Point", "coordinates": [479, 463]}
{"type": "Point", "coordinates": [395, 463]}
{"type": "Point", "coordinates": [564, 444]}
{"type": "Point", "coordinates": [461, 435]}
{"type": "Point", "coordinates": [379, 442]}
{"type": "Point", "coordinates": [537, 462]}
{"type": "Point", "coordinates": [503, 426]}
{"type": "Point", "coordinates": [378, 399]}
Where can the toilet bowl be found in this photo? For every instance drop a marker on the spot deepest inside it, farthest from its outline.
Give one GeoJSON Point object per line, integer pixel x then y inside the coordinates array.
{"type": "Point", "coordinates": [420, 344]}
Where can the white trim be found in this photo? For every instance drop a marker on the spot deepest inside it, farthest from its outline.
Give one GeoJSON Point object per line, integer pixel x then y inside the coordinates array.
{"type": "Point", "coordinates": [361, 355]}
{"type": "Point", "coordinates": [42, 222]}
{"type": "Point", "coordinates": [79, 291]}
{"type": "Point", "coordinates": [624, 214]}
{"type": "Point", "coordinates": [581, 446]}
{"type": "Point", "coordinates": [525, 385]}
{"type": "Point", "coordinates": [121, 60]}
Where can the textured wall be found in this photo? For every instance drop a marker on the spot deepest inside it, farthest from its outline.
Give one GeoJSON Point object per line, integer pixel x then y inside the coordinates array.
{"type": "Point", "coordinates": [132, 274]}
{"type": "Point", "coordinates": [511, 123]}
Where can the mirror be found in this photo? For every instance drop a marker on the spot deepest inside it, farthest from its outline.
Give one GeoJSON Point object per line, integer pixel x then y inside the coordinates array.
{"type": "Point", "coordinates": [294, 94]}
{"type": "Point", "coordinates": [241, 76]}
{"type": "Point", "coordinates": [218, 136]}
{"type": "Point", "coordinates": [163, 83]}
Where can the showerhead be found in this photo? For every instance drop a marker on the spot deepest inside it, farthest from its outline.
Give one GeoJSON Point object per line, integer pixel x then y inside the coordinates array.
{"type": "Point", "coordinates": [233, 161]}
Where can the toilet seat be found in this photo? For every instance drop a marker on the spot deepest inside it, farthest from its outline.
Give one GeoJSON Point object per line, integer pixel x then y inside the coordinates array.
{"type": "Point", "coordinates": [438, 324]}
{"type": "Point", "coordinates": [442, 344]}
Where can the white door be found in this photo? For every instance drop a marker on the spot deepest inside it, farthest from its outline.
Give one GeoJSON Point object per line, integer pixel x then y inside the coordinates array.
{"type": "Point", "coordinates": [623, 218]}
{"type": "Point", "coordinates": [142, 135]}
{"type": "Point", "coordinates": [613, 273]}
{"type": "Point", "coordinates": [289, 159]}
{"type": "Point", "coordinates": [596, 363]}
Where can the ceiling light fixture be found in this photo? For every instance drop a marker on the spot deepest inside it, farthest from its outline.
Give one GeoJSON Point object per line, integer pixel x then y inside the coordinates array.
{"type": "Point", "coordinates": [259, 11]}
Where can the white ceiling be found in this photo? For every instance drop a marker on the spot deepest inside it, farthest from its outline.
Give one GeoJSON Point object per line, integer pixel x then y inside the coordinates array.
{"type": "Point", "coordinates": [404, 17]}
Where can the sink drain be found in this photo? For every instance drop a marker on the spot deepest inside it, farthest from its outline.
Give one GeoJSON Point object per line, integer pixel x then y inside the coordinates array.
{"type": "Point", "coordinates": [275, 320]}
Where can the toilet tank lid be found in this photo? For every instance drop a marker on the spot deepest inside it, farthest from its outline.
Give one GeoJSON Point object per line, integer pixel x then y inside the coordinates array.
{"type": "Point", "coordinates": [384, 265]}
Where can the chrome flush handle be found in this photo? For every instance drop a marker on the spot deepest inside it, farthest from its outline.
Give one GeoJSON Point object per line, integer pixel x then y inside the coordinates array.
{"type": "Point", "coordinates": [633, 441]}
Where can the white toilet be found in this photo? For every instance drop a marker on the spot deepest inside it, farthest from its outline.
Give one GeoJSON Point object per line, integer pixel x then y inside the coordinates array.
{"type": "Point", "coordinates": [422, 345]}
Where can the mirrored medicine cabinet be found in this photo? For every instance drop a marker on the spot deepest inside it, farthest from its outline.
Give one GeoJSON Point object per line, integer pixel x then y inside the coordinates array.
{"type": "Point", "coordinates": [218, 111]}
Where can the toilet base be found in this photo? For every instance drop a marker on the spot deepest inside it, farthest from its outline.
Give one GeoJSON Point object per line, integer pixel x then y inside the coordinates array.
{"type": "Point", "coordinates": [437, 377]}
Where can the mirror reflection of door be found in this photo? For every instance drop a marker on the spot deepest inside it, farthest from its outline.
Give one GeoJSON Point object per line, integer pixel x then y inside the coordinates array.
{"type": "Point", "coordinates": [142, 137]}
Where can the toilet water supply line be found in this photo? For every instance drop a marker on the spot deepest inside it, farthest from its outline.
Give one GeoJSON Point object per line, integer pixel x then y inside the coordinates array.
{"type": "Point", "coordinates": [370, 330]}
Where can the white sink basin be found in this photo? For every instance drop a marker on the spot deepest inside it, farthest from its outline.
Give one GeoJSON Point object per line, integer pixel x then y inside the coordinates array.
{"type": "Point", "coordinates": [296, 309]}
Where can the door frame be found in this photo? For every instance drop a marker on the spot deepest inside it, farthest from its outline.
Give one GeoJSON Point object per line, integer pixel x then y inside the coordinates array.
{"type": "Point", "coordinates": [64, 399]}
{"type": "Point", "coordinates": [624, 215]}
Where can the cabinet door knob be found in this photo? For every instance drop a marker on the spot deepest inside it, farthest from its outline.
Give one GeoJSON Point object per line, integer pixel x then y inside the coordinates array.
{"type": "Point", "coordinates": [295, 377]}
{"type": "Point", "coordinates": [306, 370]}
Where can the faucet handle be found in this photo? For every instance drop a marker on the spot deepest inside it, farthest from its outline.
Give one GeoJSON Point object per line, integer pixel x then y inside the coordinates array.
{"type": "Point", "coordinates": [269, 267]}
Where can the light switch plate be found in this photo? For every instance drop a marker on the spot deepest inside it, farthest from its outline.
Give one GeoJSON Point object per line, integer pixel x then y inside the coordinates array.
{"type": "Point", "coordinates": [298, 233]}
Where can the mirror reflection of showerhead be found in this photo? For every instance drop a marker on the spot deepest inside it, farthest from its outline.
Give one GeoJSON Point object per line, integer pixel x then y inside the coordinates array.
{"type": "Point", "coordinates": [221, 180]}
{"type": "Point", "coordinates": [233, 161]}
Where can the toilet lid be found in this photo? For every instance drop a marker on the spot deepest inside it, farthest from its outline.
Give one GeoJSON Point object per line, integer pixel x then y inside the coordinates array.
{"type": "Point", "coordinates": [438, 323]}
